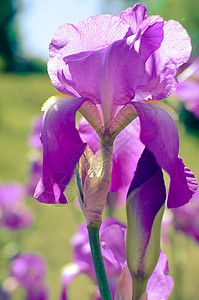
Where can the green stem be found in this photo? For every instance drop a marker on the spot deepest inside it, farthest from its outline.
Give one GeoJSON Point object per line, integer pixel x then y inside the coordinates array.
{"type": "Point", "coordinates": [139, 287]}
{"type": "Point", "coordinates": [93, 231]}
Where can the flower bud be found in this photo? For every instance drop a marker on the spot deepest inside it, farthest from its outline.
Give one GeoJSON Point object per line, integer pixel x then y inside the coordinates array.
{"type": "Point", "coordinates": [145, 206]}
{"type": "Point", "coordinates": [93, 180]}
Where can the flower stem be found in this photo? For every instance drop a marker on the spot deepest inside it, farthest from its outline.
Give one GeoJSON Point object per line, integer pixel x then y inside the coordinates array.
{"type": "Point", "coordinates": [139, 287]}
{"type": "Point", "coordinates": [93, 231]}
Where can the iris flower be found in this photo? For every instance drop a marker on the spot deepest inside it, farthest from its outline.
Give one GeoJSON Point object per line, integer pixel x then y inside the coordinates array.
{"type": "Point", "coordinates": [114, 69]}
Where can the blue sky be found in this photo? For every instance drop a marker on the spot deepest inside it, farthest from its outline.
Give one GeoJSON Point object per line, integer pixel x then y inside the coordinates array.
{"type": "Point", "coordinates": [40, 18]}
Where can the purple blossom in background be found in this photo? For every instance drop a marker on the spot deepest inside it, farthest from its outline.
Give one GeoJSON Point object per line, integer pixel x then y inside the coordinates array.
{"type": "Point", "coordinates": [34, 137]}
{"type": "Point", "coordinates": [14, 214]}
{"type": "Point", "coordinates": [35, 156]}
{"type": "Point", "coordinates": [186, 218]}
{"type": "Point", "coordinates": [113, 251]}
{"type": "Point", "coordinates": [34, 176]}
{"type": "Point", "coordinates": [29, 270]}
{"type": "Point", "coordinates": [113, 66]}
{"type": "Point", "coordinates": [167, 224]}
{"type": "Point", "coordinates": [188, 88]}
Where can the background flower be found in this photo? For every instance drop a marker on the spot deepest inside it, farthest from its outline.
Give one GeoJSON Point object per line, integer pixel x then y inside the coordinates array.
{"type": "Point", "coordinates": [14, 214]}
{"type": "Point", "coordinates": [113, 252]}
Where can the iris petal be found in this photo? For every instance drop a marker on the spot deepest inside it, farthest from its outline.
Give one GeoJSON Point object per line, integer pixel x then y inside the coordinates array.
{"type": "Point", "coordinates": [160, 136]}
{"type": "Point", "coordinates": [62, 148]}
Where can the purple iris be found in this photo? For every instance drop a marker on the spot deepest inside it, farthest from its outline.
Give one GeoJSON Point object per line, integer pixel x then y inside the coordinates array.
{"type": "Point", "coordinates": [14, 214]}
{"type": "Point", "coordinates": [29, 270]}
{"type": "Point", "coordinates": [113, 251]}
{"type": "Point", "coordinates": [111, 66]}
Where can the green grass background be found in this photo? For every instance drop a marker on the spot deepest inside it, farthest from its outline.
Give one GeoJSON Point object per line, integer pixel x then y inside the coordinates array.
{"type": "Point", "coordinates": [21, 97]}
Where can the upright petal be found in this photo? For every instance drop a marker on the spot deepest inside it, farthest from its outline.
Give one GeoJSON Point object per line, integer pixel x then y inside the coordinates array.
{"type": "Point", "coordinates": [159, 134]}
{"type": "Point", "coordinates": [134, 16]}
{"type": "Point", "coordinates": [62, 148]}
{"type": "Point", "coordinates": [175, 50]}
{"type": "Point", "coordinates": [152, 36]}
{"type": "Point", "coordinates": [109, 75]}
{"type": "Point", "coordinates": [94, 33]}
{"type": "Point", "coordinates": [147, 32]}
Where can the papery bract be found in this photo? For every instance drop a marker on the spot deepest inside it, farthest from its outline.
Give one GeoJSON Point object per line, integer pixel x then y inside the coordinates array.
{"type": "Point", "coordinates": [95, 176]}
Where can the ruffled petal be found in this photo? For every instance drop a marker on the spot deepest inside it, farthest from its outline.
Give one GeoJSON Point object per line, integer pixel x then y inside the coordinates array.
{"type": "Point", "coordinates": [152, 37]}
{"type": "Point", "coordinates": [94, 33]}
{"type": "Point", "coordinates": [159, 134]}
{"type": "Point", "coordinates": [62, 148]}
{"type": "Point", "coordinates": [182, 186]}
{"type": "Point", "coordinates": [134, 16]}
{"type": "Point", "coordinates": [147, 33]}
{"type": "Point", "coordinates": [175, 50]}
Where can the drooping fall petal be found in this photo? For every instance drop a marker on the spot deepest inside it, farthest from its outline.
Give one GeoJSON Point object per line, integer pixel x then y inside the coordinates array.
{"type": "Point", "coordinates": [159, 134]}
{"type": "Point", "coordinates": [62, 148]}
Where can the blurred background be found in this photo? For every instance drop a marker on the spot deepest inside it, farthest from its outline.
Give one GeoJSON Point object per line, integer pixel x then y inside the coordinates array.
{"type": "Point", "coordinates": [26, 29]}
